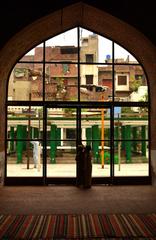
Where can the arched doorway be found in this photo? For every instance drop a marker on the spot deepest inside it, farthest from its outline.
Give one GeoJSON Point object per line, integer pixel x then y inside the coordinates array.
{"type": "Point", "coordinates": [77, 87]}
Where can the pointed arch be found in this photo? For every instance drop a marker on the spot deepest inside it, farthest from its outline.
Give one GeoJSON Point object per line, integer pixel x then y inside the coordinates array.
{"type": "Point", "coordinates": [82, 15]}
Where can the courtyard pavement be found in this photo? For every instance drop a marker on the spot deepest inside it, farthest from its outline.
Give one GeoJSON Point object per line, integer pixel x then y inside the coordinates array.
{"type": "Point", "coordinates": [69, 170]}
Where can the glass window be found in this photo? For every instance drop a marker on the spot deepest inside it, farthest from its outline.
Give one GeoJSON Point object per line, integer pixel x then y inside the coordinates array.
{"type": "Point", "coordinates": [94, 48]}
{"type": "Point", "coordinates": [121, 55]}
{"type": "Point", "coordinates": [61, 82]}
{"type": "Point", "coordinates": [26, 82]}
{"type": "Point", "coordinates": [96, 82]}
{"type": "Point", "coordinates": [76, 86]}
{"type": "Point", "coordinates": [130, 83]}
{"type": "Point", "coordinates": [34, 55]}
{"type": "Point", "coordinates": [131, 158]}
{"type": "Point", "coordinates": [62, 47]}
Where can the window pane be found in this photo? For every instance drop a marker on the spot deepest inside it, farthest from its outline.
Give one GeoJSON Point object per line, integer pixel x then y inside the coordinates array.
{"type": "Point", "coordinates": [61, 124]}
{"type": "Point", "coordinates": [131, 158]}
{"type": "Point", "coordinates": [96, 82]}
{"type": "Point", "coordinates": [129, 123]}
{"type": "Point", "coordinates": [121, 55]}
{"type": "Point", "coordinates": [94, 48]}
{"type": "Point", "coordinates": [130, 83]}
{"type": "Point", "coordinates": [26, 82]}
{"type": "Point", "coordinates": [23, 159]}
{"type": "Point", "coordinates": [24, 122]}
{"type": "Point", "coordinates": [95, 131]}
{"type": "Point", "coordinates": [95, 124]}
{"type": "Point", "coordinates": [61, 82]}
{"type": "Point", "coordinates": [100, 165]}
{"type": "Point", "coordinates": [61, 159]}
{"type": "Point", "coordinates": [63, 47]}
{"type": "Point", "coordinates": [61, 142]}
{"type": "Point", "coordinates": [35, 54]}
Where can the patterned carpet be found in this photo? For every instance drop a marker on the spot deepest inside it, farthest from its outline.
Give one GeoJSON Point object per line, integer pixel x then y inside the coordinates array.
{"type": "Point", "coordinates": [78, 226]}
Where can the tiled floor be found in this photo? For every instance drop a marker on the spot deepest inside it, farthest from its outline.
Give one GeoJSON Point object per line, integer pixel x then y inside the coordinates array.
{"type": "Point", "coordinates": [70, 199]}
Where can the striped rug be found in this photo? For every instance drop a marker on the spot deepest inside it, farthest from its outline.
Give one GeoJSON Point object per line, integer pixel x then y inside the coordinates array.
{"type": "Point", "coordinates": [78, 226]}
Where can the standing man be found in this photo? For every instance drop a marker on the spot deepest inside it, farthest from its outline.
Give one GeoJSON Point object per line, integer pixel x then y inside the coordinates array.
{"type": "Point", "coordinates": [36, 153]}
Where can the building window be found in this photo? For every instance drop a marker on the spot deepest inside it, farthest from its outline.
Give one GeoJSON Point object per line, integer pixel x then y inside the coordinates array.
{"type": "Point", "coordinates": [89, 58]}
{"type": "Point", "coordinates": [122, 80]}
{"type": "Point", "coordinates": [85, 42]}
{"type": "Point", "coordinates": [122, 84]}
{"type": "Point", "coordinates": [138, 77]}
{"type": "Point", "coordinates": [89, 79]}
{"type": "Point", "coordinates": [70, 133]}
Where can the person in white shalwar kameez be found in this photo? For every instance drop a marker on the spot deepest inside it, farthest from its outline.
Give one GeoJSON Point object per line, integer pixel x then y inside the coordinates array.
{"type": "Point", "coordinates": [36, 152]}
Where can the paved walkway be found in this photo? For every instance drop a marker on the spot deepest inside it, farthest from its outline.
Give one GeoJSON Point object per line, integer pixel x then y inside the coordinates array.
{"type": "Point", "coordinates": [69, 170]}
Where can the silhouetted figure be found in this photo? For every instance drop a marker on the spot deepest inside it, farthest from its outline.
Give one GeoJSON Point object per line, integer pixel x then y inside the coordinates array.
{"type": "Point", "coordinates": [87, 172]}
{"type": "Point", "coordinates": [80, 165]}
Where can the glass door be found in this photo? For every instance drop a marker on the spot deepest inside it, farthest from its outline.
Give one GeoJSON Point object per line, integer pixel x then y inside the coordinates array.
{"type": "Point", "coordinates": [61, 135]}
{"type": "Point", "coordinates": [65, 129]}
{"type": "Point", "coordinates": [96, 132]}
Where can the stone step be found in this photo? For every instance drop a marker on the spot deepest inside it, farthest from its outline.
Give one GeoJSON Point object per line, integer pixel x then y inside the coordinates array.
{"type": "Point", "coordinates": [64, 159]}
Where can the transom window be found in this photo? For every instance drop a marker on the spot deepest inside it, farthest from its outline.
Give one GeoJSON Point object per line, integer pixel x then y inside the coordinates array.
{"type": "Point", "coordinates": [60, 67]}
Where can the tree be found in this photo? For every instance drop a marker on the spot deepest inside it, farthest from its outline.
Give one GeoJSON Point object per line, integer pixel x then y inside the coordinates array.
{"type": "Point", "coordinates": [144, 109]}
{"type": "Point", "coordinates": [135, 84]}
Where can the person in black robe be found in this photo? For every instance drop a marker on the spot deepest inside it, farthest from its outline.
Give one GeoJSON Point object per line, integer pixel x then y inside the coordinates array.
{"type": "Point", "coordinates": [80, 165]}
{"type": "Point", "coordinates": [87, 172]}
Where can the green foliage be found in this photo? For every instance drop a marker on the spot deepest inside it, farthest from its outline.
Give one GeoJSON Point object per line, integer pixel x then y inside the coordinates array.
{"type": "Point", "coordinates": [135, 84]}
{"type": "Point", "coordinates": [60, 84]}
{"type": "Point", "coordinates": [126, 110]}
{"type": "Point", "coordinates": [144, 98]}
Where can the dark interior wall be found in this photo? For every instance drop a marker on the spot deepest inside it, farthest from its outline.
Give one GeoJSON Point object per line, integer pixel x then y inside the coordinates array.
{"type": "Point", "coordinates": [15, 14]}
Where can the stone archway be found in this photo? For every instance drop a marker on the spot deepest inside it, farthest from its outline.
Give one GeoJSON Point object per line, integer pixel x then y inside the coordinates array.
{"type": "Point", "coordinates": [79, 14]}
